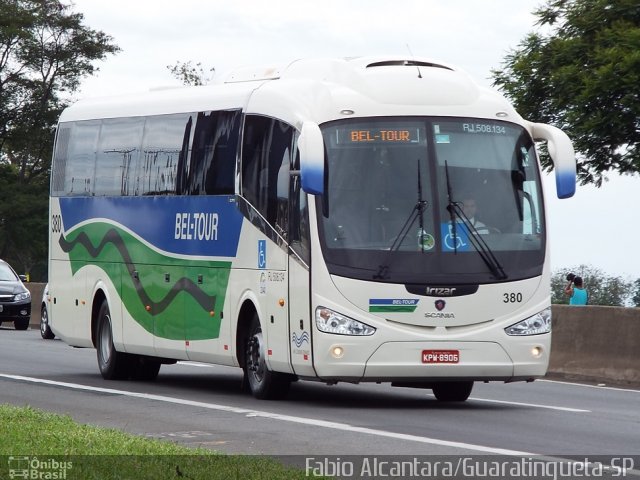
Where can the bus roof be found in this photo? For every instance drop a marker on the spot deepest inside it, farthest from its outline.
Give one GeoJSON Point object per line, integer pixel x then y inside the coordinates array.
{"type": "Point", "coordinates": [318, 90]}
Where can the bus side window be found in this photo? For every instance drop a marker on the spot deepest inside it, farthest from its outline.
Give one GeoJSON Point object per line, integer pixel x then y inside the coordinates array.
{"type": "Point", "coordinates": [210, 168]}
{"type": "Point", "coordinates": [81, 158]}
{"type": "Point", "coordinates": [266, 159]}
{"type": "Point", "coordinates": [161, 153]}
{"type": "Point", "coordinates": [117, 158]}
{"type": "Point", "coordinates": [60, 157]}
{"type": "Point", "coordinates": [299, 219]}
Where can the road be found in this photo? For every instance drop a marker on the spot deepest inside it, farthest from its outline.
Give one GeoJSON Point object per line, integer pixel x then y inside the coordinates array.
{"type": "Point", "coordinates": [203, 405]}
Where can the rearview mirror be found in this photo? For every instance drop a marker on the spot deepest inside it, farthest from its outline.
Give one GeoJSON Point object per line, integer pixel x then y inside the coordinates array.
{"type": "Point", "coordinates": [311, 146]}
{"type": "Point", "coordinates": [562, 154]}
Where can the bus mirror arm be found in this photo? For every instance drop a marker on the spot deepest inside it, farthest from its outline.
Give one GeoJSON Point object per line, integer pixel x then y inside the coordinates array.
{"type": "Point", "coordinates": [562, 154]}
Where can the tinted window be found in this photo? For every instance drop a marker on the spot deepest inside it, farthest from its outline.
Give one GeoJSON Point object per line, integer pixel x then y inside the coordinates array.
{"type": "Point", "coordinates": [266, 159]}
{"type": "Point", "coordinates": [299, 222]}
{"type": "Point", "coordinates": [118, 155]}
{"type": "Point", "coordinates": [164, 136]}
{"type": "Point", "coordinates": [60, 157]}
{"type": "Point", "coordinates": [210, 168]}
{"type": "Point", "coordinates": [81, 157]}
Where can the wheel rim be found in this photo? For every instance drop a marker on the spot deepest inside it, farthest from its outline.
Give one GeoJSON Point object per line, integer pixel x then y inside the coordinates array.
{"type": "Point", "coordinates": [44, 322]}
{"type": "Point", "coordinates": [105, 339]}
{"type": "Point", "coordinates": [255, 358]}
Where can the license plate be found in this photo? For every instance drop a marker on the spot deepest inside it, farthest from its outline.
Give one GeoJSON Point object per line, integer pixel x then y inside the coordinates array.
{"type": "Point", "coordinates": [440, 356]}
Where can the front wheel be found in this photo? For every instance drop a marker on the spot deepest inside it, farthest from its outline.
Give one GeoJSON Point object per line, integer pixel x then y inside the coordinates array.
{"type": "Point", "coordinates": [113, 365]}
{"type": "Point", "coordinates": [452, 391]}
{"type": "Point", "coordinates": [144, 368]}
{"type": "Point", "coordinates": [263, 383]}
{"type": "Point", "coordinates": [45, 330]}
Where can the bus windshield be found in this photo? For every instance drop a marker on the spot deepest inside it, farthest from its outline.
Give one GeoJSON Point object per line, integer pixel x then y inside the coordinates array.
{"type": "Point", "coordinates": [429, 200]}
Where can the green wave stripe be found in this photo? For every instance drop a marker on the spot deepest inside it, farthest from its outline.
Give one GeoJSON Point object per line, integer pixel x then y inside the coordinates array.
{"type": "Point", "coordinates": [180, 307]}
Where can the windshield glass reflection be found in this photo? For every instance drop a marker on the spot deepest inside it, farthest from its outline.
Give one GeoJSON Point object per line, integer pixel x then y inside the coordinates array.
{"type": "Point", "coordinates": [387, 211]}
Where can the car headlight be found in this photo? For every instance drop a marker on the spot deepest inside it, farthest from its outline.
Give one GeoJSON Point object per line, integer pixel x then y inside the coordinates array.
{"type": "Point", "coordinates": [536, 325]}
{"type": "Point", "coordinates": [331, 322]}
{"type": "Point", "coordinates": [21, 296]}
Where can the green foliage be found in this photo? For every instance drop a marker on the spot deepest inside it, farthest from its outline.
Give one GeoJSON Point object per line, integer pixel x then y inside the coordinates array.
{"type": "Point", "coordinates": [45, 51]}
{"type": "Point", "coordinates": [24, 209]}
{"type": "Point", "coordinates": [635, 299]}
{"type": "Point", "coordinates": [190, 74]}
{"type": "Point", "coordinates": [584, 77]}
{"type": "Point", "coordinates": [603, 289]}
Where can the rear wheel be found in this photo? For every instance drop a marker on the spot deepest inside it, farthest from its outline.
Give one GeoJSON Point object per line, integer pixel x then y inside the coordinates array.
{"type": "Point", "coordinates": [263, 383]}
{"type": "Point", "coordinates": [452, 391]}
{"type": "Point", "coordinates": [21, 323]}
{"type": "Point", "coordinates": [45, 331]}
{"type": "Point", "coordinates": [113, 365]}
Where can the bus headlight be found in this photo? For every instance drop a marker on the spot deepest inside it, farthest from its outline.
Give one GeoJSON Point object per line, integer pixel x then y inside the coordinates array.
{"type": "Point", "coordinates": [329, 321]}
{"type": "Point", "coordinates": [536, 325]}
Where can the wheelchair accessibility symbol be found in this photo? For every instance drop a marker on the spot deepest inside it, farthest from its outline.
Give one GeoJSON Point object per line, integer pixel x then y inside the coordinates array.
{"type": "Point", "coordinates": [454, 241]}
{"type": "Point", "coordinates": [262, 254]}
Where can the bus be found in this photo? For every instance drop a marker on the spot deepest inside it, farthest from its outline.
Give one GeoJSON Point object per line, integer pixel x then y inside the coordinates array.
{"type": "Point", "coordinates": [308, 222]}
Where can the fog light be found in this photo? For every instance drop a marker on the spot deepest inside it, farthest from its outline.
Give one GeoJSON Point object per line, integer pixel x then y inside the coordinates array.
{"type": "Point", "coordinates": [337, 352]}
{"type": "Point", "coordinates": [536, 352]}
{"type": "Point", "coordinates": [23, 313]}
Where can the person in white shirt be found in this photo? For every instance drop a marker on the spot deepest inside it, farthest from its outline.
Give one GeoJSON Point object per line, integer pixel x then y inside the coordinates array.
{"type": "Point", "coordinates": [469, 207]}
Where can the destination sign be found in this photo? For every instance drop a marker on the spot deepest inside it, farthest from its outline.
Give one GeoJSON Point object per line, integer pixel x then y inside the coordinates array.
{"type": "Point", "coordinates": [380, 135]}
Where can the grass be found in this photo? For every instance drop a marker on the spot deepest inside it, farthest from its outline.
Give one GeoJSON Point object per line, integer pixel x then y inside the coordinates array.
{"type": "Point", "coordinates": [64, 449]}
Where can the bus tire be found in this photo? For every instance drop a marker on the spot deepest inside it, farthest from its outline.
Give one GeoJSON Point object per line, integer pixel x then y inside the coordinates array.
{"type": "Point", "coordinates": [452, 391]}
{"type": "Point", "coordinates": [262, 382]}
{"type": "Point", "coordinates": [113, 365]}
{"type": "Point", "coordinates": [45, 330]}
{"type": "Point", "coordinates": [144, 368]}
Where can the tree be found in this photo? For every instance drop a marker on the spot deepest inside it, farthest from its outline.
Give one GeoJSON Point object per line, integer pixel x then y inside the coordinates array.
{"type": "Point", "coordinates": [45, 51]}
{"type": "Point", "coordinates": [603, 289]}
{"type": "Point", "coordinates": [584, 77]}
{"type": "Point", "coordinates": [635, 300]}
{"type": "Point", "coordinates": [190, 74]}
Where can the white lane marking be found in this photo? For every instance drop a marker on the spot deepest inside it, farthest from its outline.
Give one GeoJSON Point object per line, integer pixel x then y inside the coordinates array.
{"type": "Point", "coordinates": [534, 405]}
{"type": "Point", "coordinates": [521, 404]}
{"type": "Point", "coordinates": [274, 416]}
{"type": "Point", "coordinates": [599, 387]}
{"type": "Point", "coordinates": [487, 400]}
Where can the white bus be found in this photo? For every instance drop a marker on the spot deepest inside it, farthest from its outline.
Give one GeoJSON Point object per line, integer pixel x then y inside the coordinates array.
{"type": "Point", "coordinates": [347, 220]}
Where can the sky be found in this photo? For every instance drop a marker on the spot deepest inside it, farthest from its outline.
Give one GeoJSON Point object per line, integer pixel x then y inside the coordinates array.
{"type": "Point", "coordinates": [592, 228]}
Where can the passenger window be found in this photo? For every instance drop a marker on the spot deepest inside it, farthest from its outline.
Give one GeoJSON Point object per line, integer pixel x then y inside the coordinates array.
{"type": "Point", "coordinates": [210, 169]}
{"type": "Point", "coordinates": [299, 222]}
{"type": "Point", "coordinates": [117, 158]}
{"type": "Point", "coordinates": [267, 154]}
{"type": "Point", "coordinates": [81, 158]}
{"type": "Point", "coordinates": [162, 147]}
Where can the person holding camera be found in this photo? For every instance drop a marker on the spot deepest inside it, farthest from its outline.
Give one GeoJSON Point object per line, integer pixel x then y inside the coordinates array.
{"type": "Point", "coordinates": [576, 291]}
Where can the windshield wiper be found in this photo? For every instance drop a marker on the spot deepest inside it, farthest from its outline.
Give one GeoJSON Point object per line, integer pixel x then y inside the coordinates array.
{"type": "Point", "coordinates": [485, 252]}
{"type": "Point", "coordinates": [416, 213]}
{"type": "Point", "coordinates": [451, 209]}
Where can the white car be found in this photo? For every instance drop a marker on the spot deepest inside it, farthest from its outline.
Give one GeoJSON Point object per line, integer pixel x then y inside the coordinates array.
{"type": "Point", "coordinates": [45, 331]}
